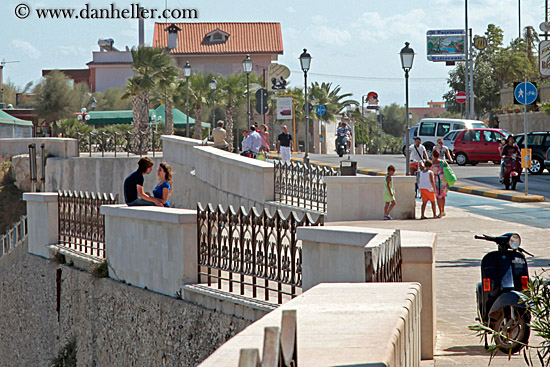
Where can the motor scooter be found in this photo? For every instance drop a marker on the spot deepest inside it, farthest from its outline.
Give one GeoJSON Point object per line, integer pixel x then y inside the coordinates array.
{"type": "Point", "coordinates": [341, 144]}
{"type": "Point", "coordinates": [504, 274]}
{"type": "Point", "coordinates": [512, 172]}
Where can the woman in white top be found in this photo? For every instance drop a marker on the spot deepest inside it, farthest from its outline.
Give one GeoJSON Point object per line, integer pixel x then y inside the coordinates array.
{"type": "Point", "coordinates": [443, 150]}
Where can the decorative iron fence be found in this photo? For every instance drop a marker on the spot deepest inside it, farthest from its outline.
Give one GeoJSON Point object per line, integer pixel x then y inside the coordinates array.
{"type": "Point", "coordinates": [14, 236]}
{"type": "Point", "coordinates": [383, 262]}
{"type": "Point", "coordinates": [302, 185]}
{"type": "Point", "coordinates": [251, 250]}
{"type": "Point", "coordinates": [129, 143]}
{"type": "Point", "coordinates": [81, 226]}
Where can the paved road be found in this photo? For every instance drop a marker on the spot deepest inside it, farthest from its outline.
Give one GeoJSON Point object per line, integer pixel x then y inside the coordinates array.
{"type": "Point", "coordinates": [485, 174]}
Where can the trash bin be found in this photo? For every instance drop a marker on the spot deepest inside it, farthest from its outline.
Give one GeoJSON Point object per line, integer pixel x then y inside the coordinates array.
{"type": "Point", "coordinates": [348, 168]}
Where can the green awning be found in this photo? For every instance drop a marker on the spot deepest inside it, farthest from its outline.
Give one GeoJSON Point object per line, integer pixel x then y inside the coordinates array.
{"type": "Point", "coordinates": [127, 116]}
{"type": "Point", "coordinates": [6, 118]}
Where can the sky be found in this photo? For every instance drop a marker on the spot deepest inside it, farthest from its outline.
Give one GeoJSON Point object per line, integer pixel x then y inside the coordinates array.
{"type": "Point", "coordinates": [354, 43]}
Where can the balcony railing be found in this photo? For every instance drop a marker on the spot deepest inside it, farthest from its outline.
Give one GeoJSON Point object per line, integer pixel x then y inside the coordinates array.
{"type": "Point", "coordinates": [302, 185]}
{"type": "Point", "coordinates": [129, 143]}
{"type": "Point", "coordinates": [251, 251]}
{"type": "Point", "coordinates": [383, 262]}
{"type": "Point", "coordinates": [14, 236]}
{"type": "Point", "coordinates": [81, 226]}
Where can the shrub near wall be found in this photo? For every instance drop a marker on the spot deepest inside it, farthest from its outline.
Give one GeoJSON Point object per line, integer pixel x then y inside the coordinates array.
{"type": "Point", "coordinates": [114, 324]}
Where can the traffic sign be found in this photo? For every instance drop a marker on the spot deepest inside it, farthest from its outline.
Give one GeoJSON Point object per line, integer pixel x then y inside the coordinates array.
{"type": "Point", "coordinates": [309, 107]}
{"type": "Point", "coordinates": [544, 58]}
{"type": "Point", "coordinates": [525, 93]}
{"type": "Point", "coordinates": [525, 158]}
{"type": "Point", "coordinates": [321, 110]}
{"type": "Point", "coordinates": [480, 43]}
{"type": "Point", "coordinates": [460, 97]}
{"type": "Point", "coordinates": [261, 101]}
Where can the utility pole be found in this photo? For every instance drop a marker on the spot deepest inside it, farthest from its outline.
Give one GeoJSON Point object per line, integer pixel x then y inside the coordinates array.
{"type": "Point", "coordinates": [2, 63]}
{"type": "Point", "coordinates": [472, 96]}
{"type": "Point", "coordinates": [466, 76]}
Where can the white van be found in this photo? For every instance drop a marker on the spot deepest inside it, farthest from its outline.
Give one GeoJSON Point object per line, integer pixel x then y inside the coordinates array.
{"type": "Point", "coordinates": [429, 129]}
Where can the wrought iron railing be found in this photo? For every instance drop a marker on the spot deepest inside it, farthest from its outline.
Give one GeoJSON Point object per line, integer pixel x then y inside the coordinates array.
{"type": "Point", "coordinates": [251, 250]}
{"type": "Point", "coordinates": [14, 236]}
{"type": "Point", "coordinates": [383, 261]}
{"type": "Point", "coordinates": [130, 143]}
{"type": "Point", "coordinates": [302, 185]}
{"type": "Point", "coordinates": [81, 226]}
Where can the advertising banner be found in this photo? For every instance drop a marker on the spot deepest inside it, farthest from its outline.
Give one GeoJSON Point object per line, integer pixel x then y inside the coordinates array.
{"type": "Point", "coordinates": [544, 58]}
{"type": "Point", "coordinates": [446, 45]}
{"type": "Point", "coordinates": [284, 108]}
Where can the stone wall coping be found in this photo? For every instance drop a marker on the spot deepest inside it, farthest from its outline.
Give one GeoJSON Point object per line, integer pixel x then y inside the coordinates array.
{"type": "Point", "coordinates": [40, 197]}
{"type": "Point", "coordinates": [236, 159]}
{"type": "Point", "coordinates": [416, 247]}
{"type": "Point", "coordinates": [180, 139]}
{"type": "Point", "coordinates": [366, 179]}
{"type": "Point", "coordinates": [365, 330]}
{"type": "Point", "coordinates": [35, 140]}
{"type": "Point", "coordinates": [151, 213]}
{"type": "Point", "coordinates": [338, 235]}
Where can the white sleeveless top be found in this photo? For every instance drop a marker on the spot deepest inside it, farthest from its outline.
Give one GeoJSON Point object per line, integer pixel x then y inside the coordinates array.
{"type": "Point", "coordinates": [425, 181]}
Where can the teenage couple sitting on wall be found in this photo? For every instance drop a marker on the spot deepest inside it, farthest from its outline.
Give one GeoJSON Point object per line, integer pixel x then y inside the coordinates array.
{"type": "Point", "coordinates": [134, 194]}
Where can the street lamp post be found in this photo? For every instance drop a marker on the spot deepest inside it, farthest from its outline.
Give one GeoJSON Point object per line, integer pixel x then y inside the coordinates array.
{"type": "Point", "coordinates": [213, 84]}
{"type": "Point", "coordinates": [305, 62]}
{"type": "Point", "coordinates": [407, 57]}
{"type": "Point", "coordinates": [247, 68]}
{"type": "Point", "coordinates": [187, 74]}
{"type": "Point", "coordinates": [379, 129]}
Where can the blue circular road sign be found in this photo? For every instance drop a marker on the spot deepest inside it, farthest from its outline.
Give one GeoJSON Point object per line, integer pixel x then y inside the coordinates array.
{"type": "Point", "coordinates": [321, 110]}
{"type": "Point", "coordinates": [525, 93]}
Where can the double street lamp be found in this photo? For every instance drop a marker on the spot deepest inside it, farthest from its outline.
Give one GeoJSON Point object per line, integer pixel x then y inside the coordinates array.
{"type": "Point", "coordinates": [247, 68]}
{"type": "Point", "coordinates": [305, 62]}
{"type": "Point", "coordinates": [407, 57]}
{"type": "Point", "coordinates": [212, 85]}
{"type": "Point", "coordinates": [187, 74]}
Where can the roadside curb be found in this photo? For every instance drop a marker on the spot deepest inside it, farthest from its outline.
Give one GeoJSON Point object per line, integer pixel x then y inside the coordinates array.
{"type": "Point", "coordinates": [497, 194]}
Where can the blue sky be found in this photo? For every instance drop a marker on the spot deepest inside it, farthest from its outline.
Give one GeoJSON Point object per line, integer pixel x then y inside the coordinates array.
{"type": "Point", "coordinates": [354, 43]}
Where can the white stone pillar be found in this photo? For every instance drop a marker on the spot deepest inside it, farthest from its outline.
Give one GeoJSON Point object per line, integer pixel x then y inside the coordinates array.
{"type": "Point", "coordinates": [41, 221]}
{"type": "Point", "coordinates": [151, 247]}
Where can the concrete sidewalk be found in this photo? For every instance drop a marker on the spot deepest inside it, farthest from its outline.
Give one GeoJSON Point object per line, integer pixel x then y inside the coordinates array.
{"type": "Point", "coordinates": [458, 258]}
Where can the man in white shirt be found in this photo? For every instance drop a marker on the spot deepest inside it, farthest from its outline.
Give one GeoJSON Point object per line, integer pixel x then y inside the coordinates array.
{"type": "Point", "coordinates": [246, 143]}
{"type": "Point", "coordinates": [417, 156]}
{"type": "Point", "coordinates": [255, 140]}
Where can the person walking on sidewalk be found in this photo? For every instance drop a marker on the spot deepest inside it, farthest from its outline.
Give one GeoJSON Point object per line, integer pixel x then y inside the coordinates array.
{"type": "Point", "coordinates": [440, 183]}
{"type": "Point", "coordinates": [284, 142]}
{"type": "Point", "coordinates": [427, 188]}
{"type": "Point", "coordinates": [389, 193]}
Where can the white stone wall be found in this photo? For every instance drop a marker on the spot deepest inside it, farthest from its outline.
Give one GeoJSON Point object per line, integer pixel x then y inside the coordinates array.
{"type": "Point", "coordinates": [57, 147]}
{"type": "Point", "coordinates": [513, 122]}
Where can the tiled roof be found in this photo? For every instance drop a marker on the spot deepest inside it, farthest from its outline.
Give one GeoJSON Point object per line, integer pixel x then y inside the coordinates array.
{"type": "Point", "coordinates": [252, 38]}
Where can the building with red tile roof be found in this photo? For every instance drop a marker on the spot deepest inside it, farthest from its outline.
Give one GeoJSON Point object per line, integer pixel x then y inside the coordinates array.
{"type": "Point", "coordinates": [219, 48]}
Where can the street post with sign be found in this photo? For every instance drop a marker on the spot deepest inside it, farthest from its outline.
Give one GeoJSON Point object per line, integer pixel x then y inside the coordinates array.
{"type": "Point", "coordinates": [526, 158]}
{"type": "Point", "coordinates": [525, 93]}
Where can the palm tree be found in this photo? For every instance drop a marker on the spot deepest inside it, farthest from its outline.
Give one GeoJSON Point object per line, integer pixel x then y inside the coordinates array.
{"type": "Point", "coordinates": [167, 86]}
{"type": "Point", "coordinates": [199, 96]}
{"type": "Point", "coordinates": [149, 66]}
{"type": "Point", "coordinates": [233, 94]}
{"type": "Point", "coordinates": [331, 98]}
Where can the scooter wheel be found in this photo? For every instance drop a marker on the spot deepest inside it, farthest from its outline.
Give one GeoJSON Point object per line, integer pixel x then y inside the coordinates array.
{"type": "Point", "coordinates": [513, 331]}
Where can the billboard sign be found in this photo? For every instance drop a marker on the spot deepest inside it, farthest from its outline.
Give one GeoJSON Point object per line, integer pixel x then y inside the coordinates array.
{"type": "Point", "coordinates": [446, 45]}
{"type": "Point", "coordinates": [544, 58]}
{"type": "Point", "coordinates": [372, 98]}
{"type": "Point", "coordinates": [284, 108]}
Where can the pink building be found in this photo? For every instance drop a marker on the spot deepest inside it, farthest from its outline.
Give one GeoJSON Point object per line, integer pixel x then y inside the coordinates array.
{"type": "Point", "coordinates": [220, 48]}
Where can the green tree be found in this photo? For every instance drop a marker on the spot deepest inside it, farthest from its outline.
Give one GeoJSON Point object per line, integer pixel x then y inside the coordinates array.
{"type": "Point", "coordinates": [166, 87]}
{"type": "Point", "coordinates": [111, 100]}
{"type": "Point", "coordinates": [233, 94]}
{"type": "Point", "coordinates": [199, 98]}
{"type": "Point", "coordinates": [393, 119]}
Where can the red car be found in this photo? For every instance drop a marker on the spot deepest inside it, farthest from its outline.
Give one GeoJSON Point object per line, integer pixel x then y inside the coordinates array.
{"type": "Point", "coordinates": [478, 145]}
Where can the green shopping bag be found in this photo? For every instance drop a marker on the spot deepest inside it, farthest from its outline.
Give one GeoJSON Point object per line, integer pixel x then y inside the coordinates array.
{"type": "Point", "coordinates": [448, 173]}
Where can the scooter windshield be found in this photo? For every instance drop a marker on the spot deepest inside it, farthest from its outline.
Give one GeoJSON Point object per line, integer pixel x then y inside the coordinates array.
{"type": "Point", "coordinates": [508, 278]}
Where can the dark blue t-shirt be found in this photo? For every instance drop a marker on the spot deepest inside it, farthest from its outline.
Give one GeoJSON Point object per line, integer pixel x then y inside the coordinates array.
{"type": "Point", "coordinates": [157, 191]}
{"type": "Point", "coordinates": [130, 186]}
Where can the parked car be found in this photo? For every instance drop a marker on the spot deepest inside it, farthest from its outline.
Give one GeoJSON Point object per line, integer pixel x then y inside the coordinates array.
{"type": "Point", "coordinates": [449, 139]}
{"type": "Point", "coordinates": [412, 134]}
{"type": "Point", "coordinates": [430, 129]}
{"type": "Point", "coordinates": [538, 142]}
{"type": "Point", "coordinates": [478, 145]}
{"type": "Point", "coordinates": [547, 160]}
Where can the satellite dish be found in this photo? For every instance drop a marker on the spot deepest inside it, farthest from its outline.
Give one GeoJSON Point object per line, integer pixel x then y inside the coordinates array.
{"type": "Point", "coordinates": [545, 26]}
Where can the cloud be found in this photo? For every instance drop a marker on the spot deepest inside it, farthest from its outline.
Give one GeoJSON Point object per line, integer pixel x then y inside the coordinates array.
{"type": "Point", "coordinates": [372, 26]}
{"type": "Point", "coordinates": [330, 35]}
{"type": "Point", "coordinates": [27, 48]}
{"type": "Point", "coordinates": [291, 10]}
{"type": "Point", "coordinates": [71, 50]}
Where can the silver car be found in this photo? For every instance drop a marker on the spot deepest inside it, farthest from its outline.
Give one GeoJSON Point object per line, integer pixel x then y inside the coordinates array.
{"type": "Point", "coordinates": [449, 139]}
